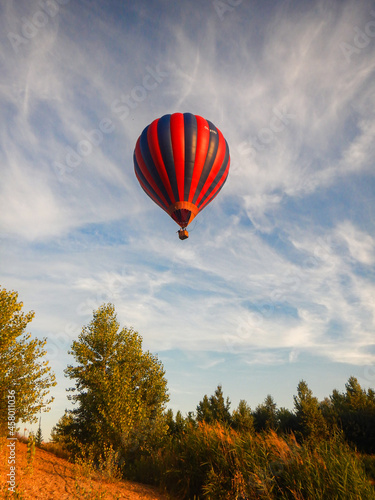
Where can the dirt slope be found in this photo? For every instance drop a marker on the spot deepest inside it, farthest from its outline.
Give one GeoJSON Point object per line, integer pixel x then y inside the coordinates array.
{"type": "Point", "coordinates": [54, 478]}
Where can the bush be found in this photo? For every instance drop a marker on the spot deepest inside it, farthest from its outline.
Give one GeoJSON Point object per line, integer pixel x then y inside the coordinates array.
{"type": "Point", "coordinates": [57, 449]}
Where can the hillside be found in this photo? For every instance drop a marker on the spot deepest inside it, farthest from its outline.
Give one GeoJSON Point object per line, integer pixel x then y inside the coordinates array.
{"type": "Point", "coordinates": [52, 477]}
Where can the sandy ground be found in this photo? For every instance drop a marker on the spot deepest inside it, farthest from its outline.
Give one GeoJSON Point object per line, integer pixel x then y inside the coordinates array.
{"type": "Point", "coordinates": [54, 478]}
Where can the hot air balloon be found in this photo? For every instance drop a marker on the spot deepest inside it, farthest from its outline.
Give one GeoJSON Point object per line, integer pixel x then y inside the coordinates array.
{"type": "Point", "coordinates": [181, 161]}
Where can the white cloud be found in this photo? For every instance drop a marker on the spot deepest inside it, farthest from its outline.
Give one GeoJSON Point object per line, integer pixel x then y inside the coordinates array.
{"type": "Point", "coordinates": [256, 279]}
{"type": "Point", "coordinates": [360, 244]}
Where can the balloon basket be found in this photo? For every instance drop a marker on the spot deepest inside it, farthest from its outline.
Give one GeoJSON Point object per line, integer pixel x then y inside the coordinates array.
{"type": "Point", "coordinates": [183, 234]}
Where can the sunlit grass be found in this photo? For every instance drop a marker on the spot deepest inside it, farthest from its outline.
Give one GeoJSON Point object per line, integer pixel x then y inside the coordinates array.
{"type": "Point", "coordinates": [212, 461]}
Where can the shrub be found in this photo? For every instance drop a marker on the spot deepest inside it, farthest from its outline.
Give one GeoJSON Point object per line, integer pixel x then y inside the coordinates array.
{"type": "Point", "coordinates": [57, 449]}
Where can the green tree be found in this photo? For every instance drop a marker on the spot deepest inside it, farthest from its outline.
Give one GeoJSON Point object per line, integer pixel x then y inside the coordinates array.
{"type": "Point", "coordinates": [120, 390]}
{"type": "Point", "coordinates": [204, 411]}
{"type": "Point", "coordinates": [191, 420]}
{"type": "Point", "coordinates": [242, 418]}
{"type": "Point", "coordinates": [286, 421]}
{"type": "Point", "coordinates": [62, 432]}
{"type": "Point", "coordinates": [177, 425]}
{"type": "Point", "coordinates": [39, 435]}
{"type": "Point", "coordinates": [23, 369]}
{"type": "Point", "coordinates": [265, 415]}
{"type": "Point", "coordinates": [214, 408]}
{"type": "Point", "coordinates": [311, 422]}
{"type": "Point", "coordinates": [330, 413]}
{"type": "Point", "coordinates": [355, 414]}
{"type": "Point", "coordinates": [356, 397]}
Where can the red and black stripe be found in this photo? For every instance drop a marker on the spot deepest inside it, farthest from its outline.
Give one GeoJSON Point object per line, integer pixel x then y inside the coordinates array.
{"type": "Point", "coordinates": [181, 161]}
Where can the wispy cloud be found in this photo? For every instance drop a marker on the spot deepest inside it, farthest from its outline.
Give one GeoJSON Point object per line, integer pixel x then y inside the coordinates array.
{"type": "Point", "coordinates": [280, 266]}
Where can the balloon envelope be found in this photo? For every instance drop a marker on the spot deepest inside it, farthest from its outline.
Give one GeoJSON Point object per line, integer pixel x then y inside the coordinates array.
{"type": "Point", "coordinates": [182, 162]}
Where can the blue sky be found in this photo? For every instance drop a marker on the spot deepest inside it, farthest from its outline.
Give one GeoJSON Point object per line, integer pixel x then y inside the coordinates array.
{"type": "Point", "coordinates": [276, 282]}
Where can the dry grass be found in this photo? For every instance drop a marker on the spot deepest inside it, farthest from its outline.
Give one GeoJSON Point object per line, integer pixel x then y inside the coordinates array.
{"type": "Point", "coordinates": [214, 462]}
{"type": "Point", "coordinates": [51, 477]}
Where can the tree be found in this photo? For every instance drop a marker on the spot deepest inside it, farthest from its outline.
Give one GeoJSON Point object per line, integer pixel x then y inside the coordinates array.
{"type": "Point", "coordinates": [120, 390]}
{"type": "Point", "coordinates": [355, 414]}
{"type": "Point", "coordinates": [265, 415]}
{"type": "Point", "coordinates": [176, 426]}
{"type": "Point", "coordinates": [286, 421]}
{"type": "Point", "coordinates": [23, 369]}
{"type": "Point", "coordinates": [62, 432]}
{"type": "Point", "coordinates": [39, 435]}
{"type": "Point", "coordinates": [214, 408]}
{"type": "Point", "coordinates": [204, 411]}
{"type": "Point", "coordinates": [311, 422]}
{"type": "Point", "coordinates": [242, 418]}
{"type": "Point", "coordinates": [330, 413]}
{"type": "Point", "coordinates": [356, 397]}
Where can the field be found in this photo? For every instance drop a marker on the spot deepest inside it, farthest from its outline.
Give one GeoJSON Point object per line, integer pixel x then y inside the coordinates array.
{"type": "Point", "coordinates": [47, 477]}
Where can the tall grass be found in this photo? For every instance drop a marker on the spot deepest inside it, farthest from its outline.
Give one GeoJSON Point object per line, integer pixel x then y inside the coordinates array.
{"type": "Point", "coordinates": [215, 462]}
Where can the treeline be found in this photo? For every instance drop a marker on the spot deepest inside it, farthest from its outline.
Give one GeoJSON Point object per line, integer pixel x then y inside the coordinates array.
{"type": "Point", "coordinates": [351, 413]}
{"type": "Point", "coordinates": [269, 452]}
{"type": "Point", "coordinates": [121, 427]}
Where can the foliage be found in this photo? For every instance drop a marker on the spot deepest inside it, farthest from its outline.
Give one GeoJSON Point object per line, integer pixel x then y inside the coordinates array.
{"type": "Point", "coordinates": [354, 411]}
{"type": "Point", "coordinates": [22, 368]}
{"type": "Point", "coordinates": [265, 415]}
{"type": "Point", "coordinates": [176, 426]}
{"type": "Point", "coordinates": [57, 449]}
{"type": "Point", "coordinates": [369, 466]}
{"type": "Point", "coordinates": [214, 409]}
{"type": "Point", "coordinates": [213, 461]}
{"type": "Point", "coordinates": [287, 421]}
{"type": "Point", "coordinates": [120, 390]}
{"type": "Point", "coordinates": [62, 432]}
{"type": "Point", "coordinates": [39, 436]}
{"type": "Point", "coordinates": [90, 465]}
{"type": "Point", "coordinates": [242, 418]}
{"type": "Point", "coordinates": [310, 420]}
{"type": "Point", "coordinates": [120, 423]}
{"type": "Point", "coordinates": [30, 452]}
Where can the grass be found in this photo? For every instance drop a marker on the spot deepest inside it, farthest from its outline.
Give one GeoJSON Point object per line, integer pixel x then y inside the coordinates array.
{"type": "Point", "coordinates": [217, 462]}
{"type": "Point", "coordinates": [212, 461]}
{"type": "Point", "coordinates": [57, 450]}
